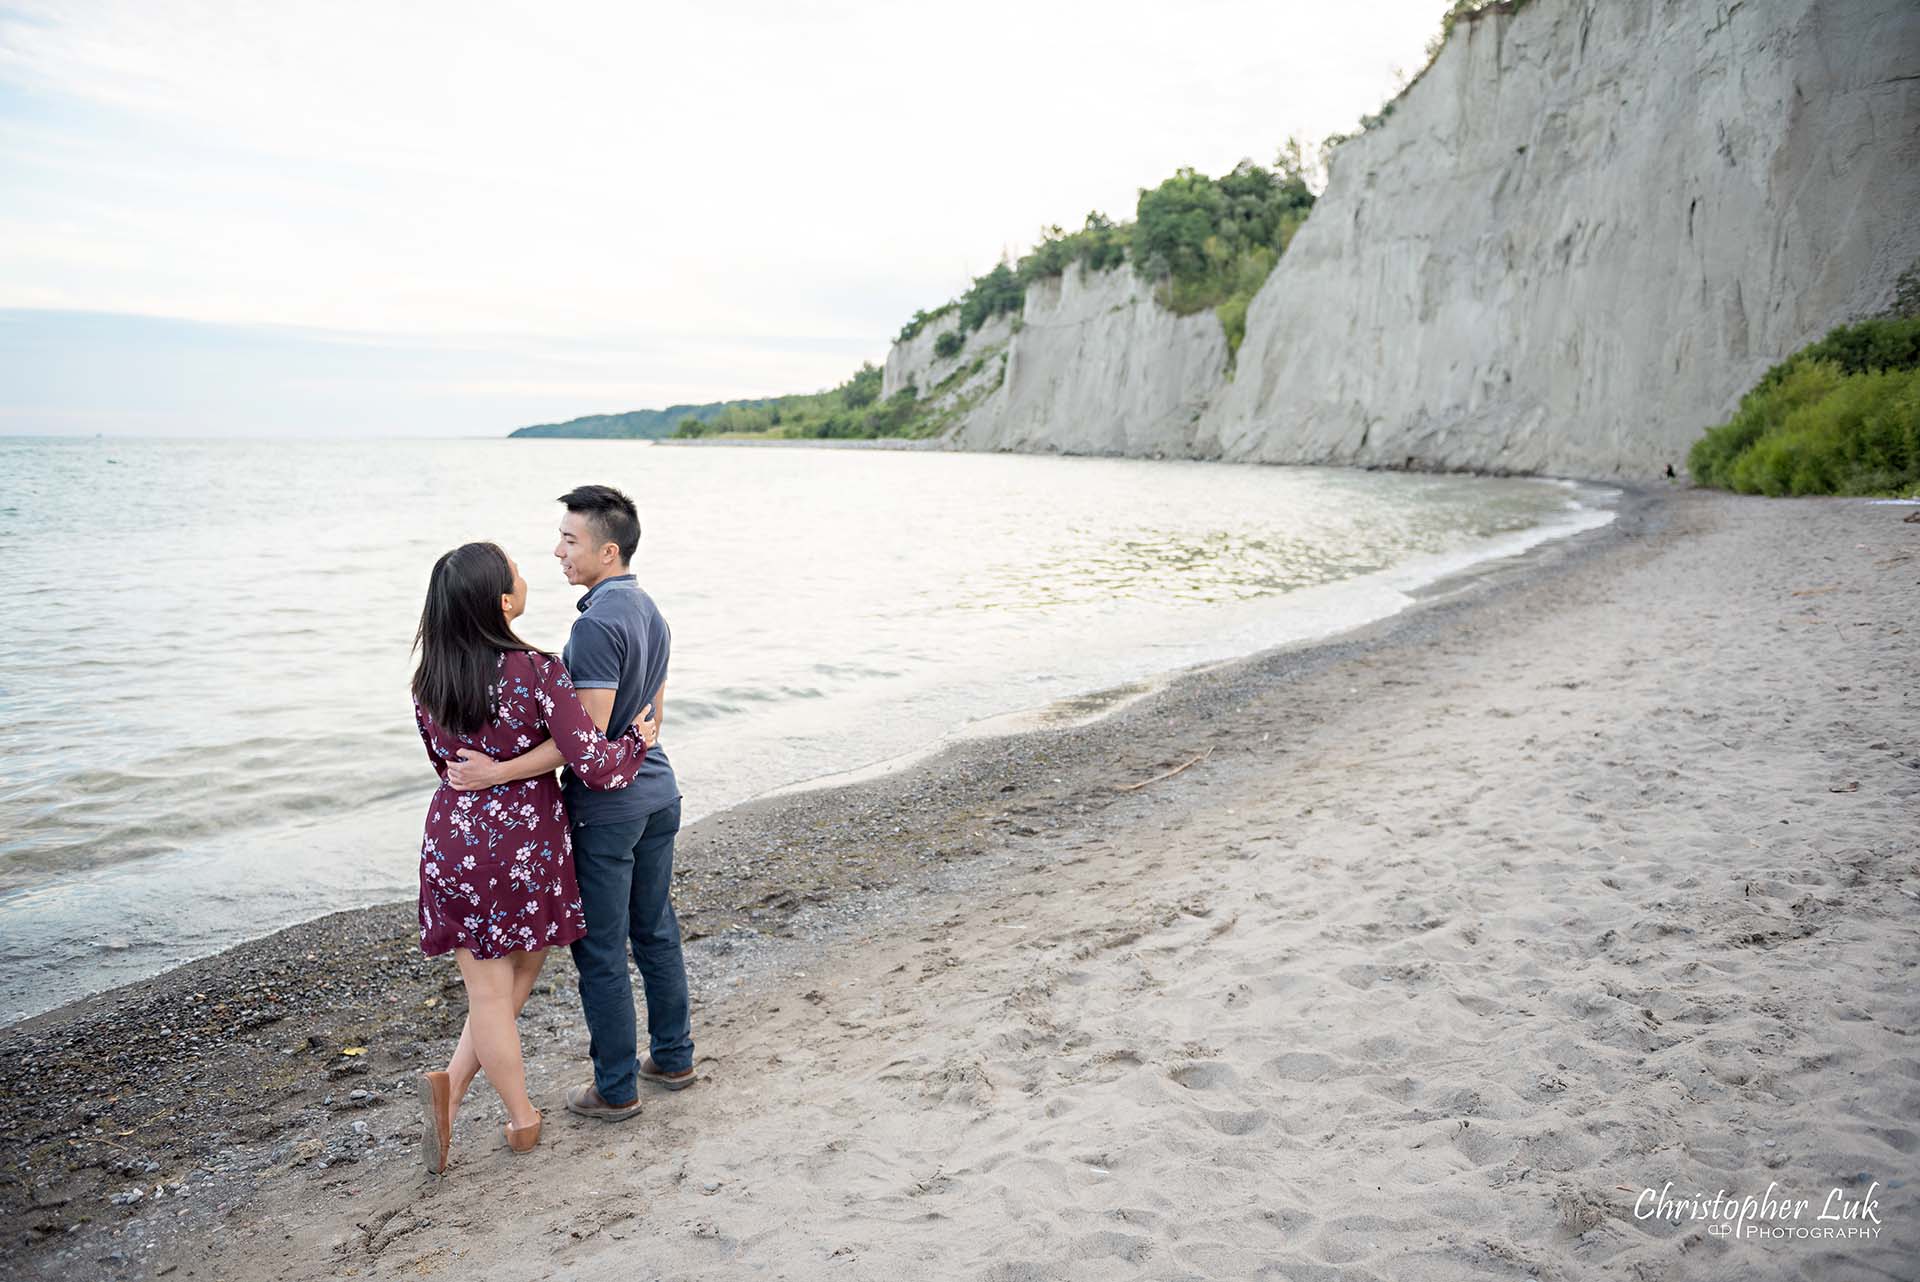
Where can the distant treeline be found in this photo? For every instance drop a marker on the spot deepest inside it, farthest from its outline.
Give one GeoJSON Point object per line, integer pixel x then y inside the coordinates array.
{"type": "Point", "coordinates": [648, 424]}
{"type": "Point", "coordinates": [851, 410]}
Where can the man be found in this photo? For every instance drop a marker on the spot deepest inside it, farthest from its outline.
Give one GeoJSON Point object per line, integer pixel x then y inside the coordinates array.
{"type": "Point", "coordinates": [622, 840]}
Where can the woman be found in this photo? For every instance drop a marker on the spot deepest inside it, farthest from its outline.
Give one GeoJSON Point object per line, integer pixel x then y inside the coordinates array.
{"type": "Point", "coordinates": [496, 870]}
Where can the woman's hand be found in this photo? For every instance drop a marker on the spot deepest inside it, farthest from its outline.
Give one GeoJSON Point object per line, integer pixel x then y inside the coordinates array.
{"type": "Point", "coordinates": [649, 729]}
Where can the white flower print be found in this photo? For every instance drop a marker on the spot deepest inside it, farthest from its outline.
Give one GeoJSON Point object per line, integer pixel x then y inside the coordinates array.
{"type": "Point", "coordinates": [494, 867]}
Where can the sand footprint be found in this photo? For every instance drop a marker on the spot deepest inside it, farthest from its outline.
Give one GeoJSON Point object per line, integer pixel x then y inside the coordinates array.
{"type": "Point", "coordinates": [1301, 1066]}
{"type": "Point", "coordinates": [1235, 1121]}
{"type": "Point", "coordinates": [1204, 1076]}
{"type": "Point", "coordinates": [1107, 1244]}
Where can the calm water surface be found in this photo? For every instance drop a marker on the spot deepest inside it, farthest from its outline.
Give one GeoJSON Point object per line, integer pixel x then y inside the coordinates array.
{"type": "Point", "coordinates": [203, 707]}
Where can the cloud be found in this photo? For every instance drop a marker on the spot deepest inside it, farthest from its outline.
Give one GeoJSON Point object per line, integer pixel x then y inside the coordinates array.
{"type": "Point", "coordinates": [617, 171]}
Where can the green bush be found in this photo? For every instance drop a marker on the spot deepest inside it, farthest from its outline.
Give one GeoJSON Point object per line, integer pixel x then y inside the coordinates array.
{"type": "Point", "coordinates": [1099, 244]}
{"type": "Point", "coordinates": [1869, 345]}
{"type": "Point", "coordinates": [997, 292]}
{"type": "Point", "coordinates": [1212, 243]}
{"type": "Point", "coordinates": [1712, 458]}
{"type": "Point", "coordinates": [1906, 294]}
{"type": "Point", "coordinates": [1233, 320]}
{"type": "Point", "coordinates": [1248, 274]}
{"type": "Point", "coordinates": [863, 388]}
{"type": "Point", "coordinates": [1818, 429]}
{"type": "Point", "coordinates": [948, 344]}
{"type": "Point", "coordinates": [919, 322]}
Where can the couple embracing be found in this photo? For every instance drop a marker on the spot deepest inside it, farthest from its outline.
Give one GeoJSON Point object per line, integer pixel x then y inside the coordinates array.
{"type": "Point", "coordinates": [515, 862]}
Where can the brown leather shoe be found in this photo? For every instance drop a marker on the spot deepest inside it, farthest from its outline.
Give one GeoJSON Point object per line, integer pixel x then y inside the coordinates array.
{"type": "Point", "coordinates": [436, 1121]}
{"type": "Point", "coordinates": [672, 1081]}
{"type": "Point", "coordinates": [586, 1101]}
{"type": "Point", "coordinates": [521, 1139]}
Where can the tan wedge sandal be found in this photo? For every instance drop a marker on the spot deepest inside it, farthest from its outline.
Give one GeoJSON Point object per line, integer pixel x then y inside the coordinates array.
{"type": "Point", "coordinates": [521, 1139]}
{"type": "Point", "coordinates": [436, 1121]}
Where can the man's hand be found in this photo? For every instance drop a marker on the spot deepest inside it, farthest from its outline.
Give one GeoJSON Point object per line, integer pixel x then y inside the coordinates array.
{"type": "Point", "coordinates": [474, 771]}
{"type": "Point", "coordinates": [648, 727]}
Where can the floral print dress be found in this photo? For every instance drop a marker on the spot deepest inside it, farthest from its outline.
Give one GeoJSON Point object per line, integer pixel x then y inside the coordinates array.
{"type": "Point", "coordinates": [496, 865]}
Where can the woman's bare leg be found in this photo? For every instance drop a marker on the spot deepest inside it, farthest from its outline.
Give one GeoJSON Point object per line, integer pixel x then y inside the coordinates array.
{"type": "Point", "coordinates": [465, 1065]}
{"type": "Point", "coordinates": [494, 1032]}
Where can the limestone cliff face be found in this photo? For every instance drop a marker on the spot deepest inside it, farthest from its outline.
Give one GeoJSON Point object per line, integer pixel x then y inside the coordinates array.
{"type": "Point", "coordinates": [1583, 233]}
{"type": "Point", "coordinates": [1098, 367]}
{"type": "Point", "coordinates": [1093, 366]}
{"type": "Point", "coordinates": [913, 363]}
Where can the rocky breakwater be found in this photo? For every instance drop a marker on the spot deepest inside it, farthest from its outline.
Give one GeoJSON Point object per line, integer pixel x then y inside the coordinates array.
{"type": "Point", "coordinates": [1583, 233]}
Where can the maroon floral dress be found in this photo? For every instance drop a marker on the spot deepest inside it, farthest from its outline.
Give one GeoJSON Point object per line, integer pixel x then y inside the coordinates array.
{"type": "Point", "coordinates": [496, 865]}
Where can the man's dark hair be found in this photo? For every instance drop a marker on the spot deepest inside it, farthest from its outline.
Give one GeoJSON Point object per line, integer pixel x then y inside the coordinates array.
{"type": "Point", "coordinates": [610, 513]}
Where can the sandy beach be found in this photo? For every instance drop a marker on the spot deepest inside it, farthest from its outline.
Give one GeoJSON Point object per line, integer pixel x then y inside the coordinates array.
{"type": "Point", "coordinates": [1596, 873]}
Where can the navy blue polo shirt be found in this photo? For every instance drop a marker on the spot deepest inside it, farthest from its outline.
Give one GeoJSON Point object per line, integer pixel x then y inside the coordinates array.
{"type": "Point", "coordinates": [621, 643]}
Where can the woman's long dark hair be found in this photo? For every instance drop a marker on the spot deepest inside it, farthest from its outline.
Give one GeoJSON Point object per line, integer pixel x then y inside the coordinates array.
{"type": "Point", "coordinates": [462, 635]}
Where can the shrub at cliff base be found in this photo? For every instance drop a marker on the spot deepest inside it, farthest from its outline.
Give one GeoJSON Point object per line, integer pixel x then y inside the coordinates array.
{"type": "Point", "coordinates": [1841, 416]}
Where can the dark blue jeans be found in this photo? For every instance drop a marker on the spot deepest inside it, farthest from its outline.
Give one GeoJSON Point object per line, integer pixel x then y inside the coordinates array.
{"type": "Point", "coordinates": [626, 880]}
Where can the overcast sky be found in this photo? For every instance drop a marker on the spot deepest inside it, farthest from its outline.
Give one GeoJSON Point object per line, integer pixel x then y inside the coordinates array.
{"type": "Point", "coordinates": [456, 218]}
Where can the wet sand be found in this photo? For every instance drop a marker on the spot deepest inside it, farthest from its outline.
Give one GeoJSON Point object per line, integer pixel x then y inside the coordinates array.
{"type": "Point", "coordinates": [1457, 933]}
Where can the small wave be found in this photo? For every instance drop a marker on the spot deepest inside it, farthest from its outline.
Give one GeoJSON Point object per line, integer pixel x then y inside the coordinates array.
{"type": "Point", "coordinates": [98, 818]}
{"type": "Point", "coordinates": [730, 701]}
{"type": "Point", "coordinates": [853, 672]}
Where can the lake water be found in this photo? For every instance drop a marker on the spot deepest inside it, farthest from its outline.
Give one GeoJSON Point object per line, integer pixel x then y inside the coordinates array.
{"type": "Point", "coordinates": [203, 684]}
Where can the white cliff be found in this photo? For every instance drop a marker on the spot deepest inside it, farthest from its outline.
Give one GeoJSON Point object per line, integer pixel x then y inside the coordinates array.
{"type": "Point", "coordinates": [1578, 239]}
{"type": "Point", "coordinates": [945, 381]}
{"type": "Point", "coordinates": [1584, 233]}
{"type": "Point", "coordinates": [1099, 367]}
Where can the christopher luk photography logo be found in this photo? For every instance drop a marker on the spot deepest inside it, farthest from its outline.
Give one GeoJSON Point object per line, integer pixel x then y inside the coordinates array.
{"type": "Point", "coordinates": [1772, 1216]}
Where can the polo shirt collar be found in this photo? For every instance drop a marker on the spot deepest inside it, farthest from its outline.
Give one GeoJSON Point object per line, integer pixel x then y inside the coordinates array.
{"type": "Point", "coordinates": [600, 587]}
